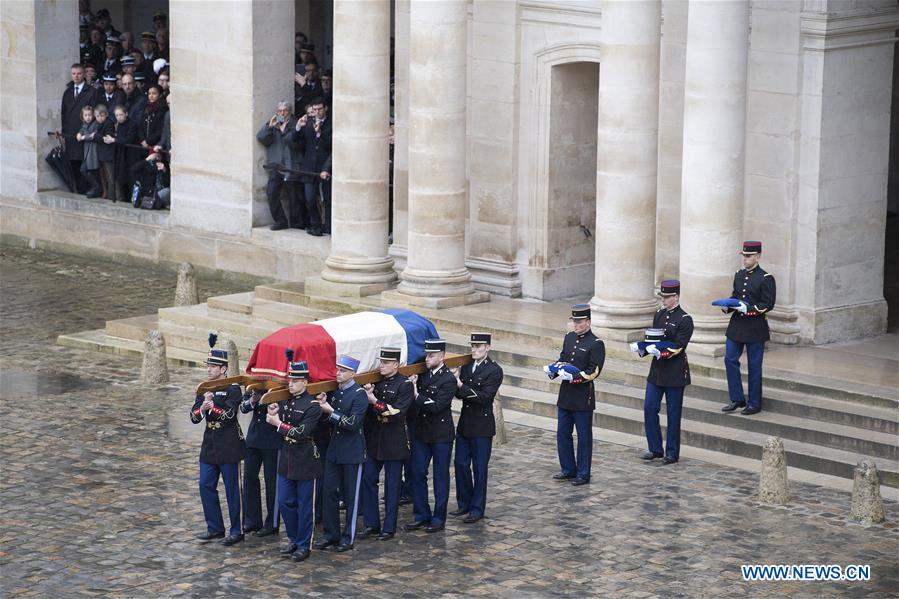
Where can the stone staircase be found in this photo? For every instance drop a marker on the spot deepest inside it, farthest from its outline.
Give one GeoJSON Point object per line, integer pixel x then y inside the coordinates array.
{"type": "Point", "coordinates": [826, 424]}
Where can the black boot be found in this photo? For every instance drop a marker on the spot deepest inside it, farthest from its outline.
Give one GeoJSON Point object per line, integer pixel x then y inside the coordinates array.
{"type": "Point", "coordinates": [93, 184]}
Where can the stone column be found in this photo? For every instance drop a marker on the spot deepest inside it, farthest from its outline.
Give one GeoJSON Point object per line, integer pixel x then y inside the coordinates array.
{"type": "Point", "coordinates": [435, 273]}
{"type": "Point", "coordinates": [712, 183]}
{"type": "Point", "coordinates": [233, 62]}
{"type": "Point", "coordinates": [358, 263]}
{"type": "Point", "coordinates": [400, 134]}
{"type": "Point", "coordinates": [40, 42]}
{"type": "Point", "coordinates": [627, 162]}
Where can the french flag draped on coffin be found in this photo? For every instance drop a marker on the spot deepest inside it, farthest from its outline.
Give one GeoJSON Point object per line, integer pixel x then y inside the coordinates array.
{"type": "Point", "coordinates": [360, 335]}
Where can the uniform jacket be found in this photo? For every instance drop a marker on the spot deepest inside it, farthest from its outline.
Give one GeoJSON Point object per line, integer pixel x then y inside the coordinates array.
{"type": "Point", "coordinates": [758, 289]}
{"type": "Point", "coordinates": [347, 444]}
{"type": "Point", "coordinates": [300, 458]}
{"type": "Point", "coordinates": [223, 441]}
{"type": "Point", "coordinates": [385, 434]}
{"type": "Point", "coordinates": [588, 353]}
{"type": "Point", "coordinates": [261, 434]}
{"type": "Point", "coordinates": [433, 415]}
{"type": "Point", "coordinates": [282, 148]}
{"type": "Point", "coordinates": [672, 369]}
{"type": "Point", "coordinates": [477, 393]}
{"type": "Point", "coordinates": [71, 117]}
{"type": "Point", "coordinates": [117, 98]}
{"type": "Point", "coordinates": [316, 148]}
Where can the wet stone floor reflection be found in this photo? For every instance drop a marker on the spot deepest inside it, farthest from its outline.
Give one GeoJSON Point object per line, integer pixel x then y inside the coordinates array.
{"type": "Point", "coordinates": [99, 491]}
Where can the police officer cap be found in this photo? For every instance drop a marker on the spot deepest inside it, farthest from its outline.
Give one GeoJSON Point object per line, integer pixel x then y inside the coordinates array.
{"type": "Point", "coordinates": [217, 357]}
{"type": "Point", "coordinates": [391, 353]}
{"type": "Point", "coordinates": [307, 48]}
{"type": "Point", "coordinates": [113, 41]}
{"type": "Point", "coordinates": [126, 61]}
{"type": "Point", "coordinates": [580, 312]}
{"type": "Point", "coordinates": [138, 76]}
{"type": "Point", "coordinates": [669, 287]}
{"type": "Point", "coordinates": [109, 76]}
{"type": "Point", "coordinates": [654, 334]}
{"type": "Point", "coordinates": [479, 338]}
{"type": "Point", "coordinates": [348, 362]}
{"type": "Point", "coordinates": [434, 345]}
{"type": "Point", "coordinates": [102, 13]}
{"type": "Point", "coordinates": [751, 247]}
{"type": "Point", "coordinates": [148, 35]}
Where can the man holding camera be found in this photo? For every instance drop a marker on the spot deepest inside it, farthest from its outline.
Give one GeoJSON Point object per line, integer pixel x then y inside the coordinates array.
{"type": "Point", "coordinates": [283, 160]}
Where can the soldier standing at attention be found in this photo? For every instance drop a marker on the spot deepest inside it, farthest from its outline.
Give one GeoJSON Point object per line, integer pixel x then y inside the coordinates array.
{"type": "Point", "coordinates": [388, 444]}
{"type": "Point", "coordinates": [477, 384]}
{"type": "Point", "coordinates": [222, 450]}
{"type": "Point", "coordinates": [577, 398]}
{"type": "Point", "coordinates": [300, 463]}
{"type": "Point", "coordinates": [668, 375]}
{"type": "Point", "coordinates": [345, 409]}
{"type": "Point", "coordinates": [748, 328]}
{"type": "Point", "coordinates": [434, 432]}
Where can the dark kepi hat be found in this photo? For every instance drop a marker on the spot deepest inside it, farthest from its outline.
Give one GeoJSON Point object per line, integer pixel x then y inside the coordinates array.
{"type": "Point", "coordinates": [751, 247]}
{"type": "Point", "coordinates": [139, 76]}
{"type": "Point", "coordinates": [148, 35]}
{"type": "Point", "coordinates": [307, 47]}
{"type": "Point", "coordinates": [669, 287]}
{"type": "Point", "coordinates": [218, 357]}
{"type": "Point", "coordinates": [391, 353]}
{"type": "Point", "coordinates": [479, 338]}
{"type": "Point", "coordinates": [654, 335]}
{"type": "Point", "coordinates": [126, 61]}
{"type": "Point", "coordinates": [113, 41]}
{"type": "Point", "coordinates": [296, 370]}
{"type": "Point", "coordinates": [434, 345]}
{"type": "Point", "coordinates": [580, 312]}
{"type": "Point", "coordinates": [348, 362]}
{"type": "Point", "coordinates": [102, 13]}
{"type": "Point", "coordinates": [109, 76]}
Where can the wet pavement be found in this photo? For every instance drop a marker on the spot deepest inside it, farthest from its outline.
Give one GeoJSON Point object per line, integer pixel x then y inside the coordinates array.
{"type": "Point", "coordinates": [98, 491]}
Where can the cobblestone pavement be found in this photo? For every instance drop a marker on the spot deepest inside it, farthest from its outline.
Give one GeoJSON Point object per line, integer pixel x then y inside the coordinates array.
{"type": "Point", "coordinates": [99, 492]}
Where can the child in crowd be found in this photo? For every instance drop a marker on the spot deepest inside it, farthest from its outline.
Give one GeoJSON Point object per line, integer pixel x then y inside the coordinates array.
{"type": "Point", "coordinates": [91, 164]}
{"type": "Point", "coordinates": [105, 151]}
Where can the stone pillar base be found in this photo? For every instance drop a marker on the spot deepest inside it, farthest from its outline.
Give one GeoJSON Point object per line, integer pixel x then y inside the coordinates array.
{"type": "Point", "coordinates": [625, 321]}
{"type": "Point", "coordinates": [708, 335]}
{"type": "Point", "coordinates": [319, 287]}
{"type": "Point", "coordinates": [395, 298]}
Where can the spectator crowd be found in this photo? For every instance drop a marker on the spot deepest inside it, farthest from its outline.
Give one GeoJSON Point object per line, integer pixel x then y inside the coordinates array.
{"type": "Point", "coordinates": [115, 123]}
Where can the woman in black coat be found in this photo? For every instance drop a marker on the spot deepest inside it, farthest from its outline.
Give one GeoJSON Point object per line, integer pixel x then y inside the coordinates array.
{"type": "Point", "coordinates": [126, 134]}
{"type": "Point", "coordinates": [154, 114]}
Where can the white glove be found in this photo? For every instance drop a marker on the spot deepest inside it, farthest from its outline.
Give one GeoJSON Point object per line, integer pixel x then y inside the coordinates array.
{"type": "Point", "coordinates": [634, 347]}
{"type": "Point", "coordinates": [565, 375]}
{"type": "Point", "coordinates": [742, 308]}
{"type": "Point", "coordinates": [652, 349]}
{"type": "Point", "coordinates": [548, 371]}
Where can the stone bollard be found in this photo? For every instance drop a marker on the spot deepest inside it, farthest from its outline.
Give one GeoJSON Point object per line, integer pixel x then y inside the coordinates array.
{"type": "Point", "coordinates": [233, 361]}
{"type": "Point", "coordinates": [154, 369]}
{"type": "Point", "coordinates": [867, 505]}
{"type": "Point", "coordinates": [501, 438]}
{"type": "Point", "coordinates": [186, 292]}
{"type": "Point", "coordinates": [773, 484]}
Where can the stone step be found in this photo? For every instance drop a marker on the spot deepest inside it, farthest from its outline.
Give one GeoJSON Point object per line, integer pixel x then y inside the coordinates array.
{"type": "Point", "coordinates": [239, 303]}
{"type": "Point", "coordinates": [536, 357]}
{"type": "Point", "coordinates": [135, 328]}
{"type": "Point", "coordinates": [776, 401]}
{"type": "Point", "coordinates": [233, 325]}
{"type": "Point", "coordinates": [287, 314]}
{"type": "Point", "coordinates": [97, 340]}
{"type": "Point", "coordinates": [751, 466]}
{"type": "Point", "coordinates": [725, 439]}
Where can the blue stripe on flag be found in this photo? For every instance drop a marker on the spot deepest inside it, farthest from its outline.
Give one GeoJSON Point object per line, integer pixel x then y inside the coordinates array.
{"type": "Point", "coordinates": [418, 328]}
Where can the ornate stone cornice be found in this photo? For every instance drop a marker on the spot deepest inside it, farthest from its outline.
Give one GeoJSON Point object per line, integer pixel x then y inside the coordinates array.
{"type": "Point", "coordinates": [831, 30]}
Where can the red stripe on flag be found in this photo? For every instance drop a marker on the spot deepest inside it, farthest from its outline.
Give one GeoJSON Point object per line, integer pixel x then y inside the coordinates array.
{"type": "Point", "coordinates": [310, 342]}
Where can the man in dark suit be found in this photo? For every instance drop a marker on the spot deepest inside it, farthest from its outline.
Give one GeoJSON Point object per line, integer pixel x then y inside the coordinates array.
{"type": "Point", "coordinates": [314, 136]}
{"type": "Point", "coordinates": [669, 374]}
{"type": "Point", "coordinates": [263, 444]}
{"type": "Point", "coordinates": [77, 95]}
{"type": "Point", "coordinates": [577, 397]}
{"type": "Point", "coordinates": [748, 328]}
{"type": "Point", "coordinates": [477, 385]}
{"type": "Point", "coordinates": [388, 444]}
{"type": "Point", "coordinates": [110, 62]}
{"type": "Point", "coordinates": [434, 432]}
{"type": "Point", "coordinates": [346, 409]}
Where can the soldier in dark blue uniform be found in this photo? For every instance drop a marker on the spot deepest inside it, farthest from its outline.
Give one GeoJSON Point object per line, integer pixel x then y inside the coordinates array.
{"type": "Point", "coordinates": [434, 434]}
{"type": "Point", "coordinates": [668, 375]}
{"type": "Point", "coordinates": [577, 398]}
{"type": "Point", "coordinates": [263, 443]}
{"type": "Point", "coordinates": [748, 328]}
{"type": "Point", "coordinates": [346, 409]}
{"type": "Point", "coordinates": [222, 450]}
{"type": "Point", "coordinates": [388, 444]}
{"type": "Point", "coordinates": [477, 384]}
{"type": "Point", "coordinates": [295, 420]}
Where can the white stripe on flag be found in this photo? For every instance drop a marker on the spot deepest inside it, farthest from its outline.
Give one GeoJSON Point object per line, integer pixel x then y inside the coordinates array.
{"type": "Point", "coordinates": [362, 335]}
